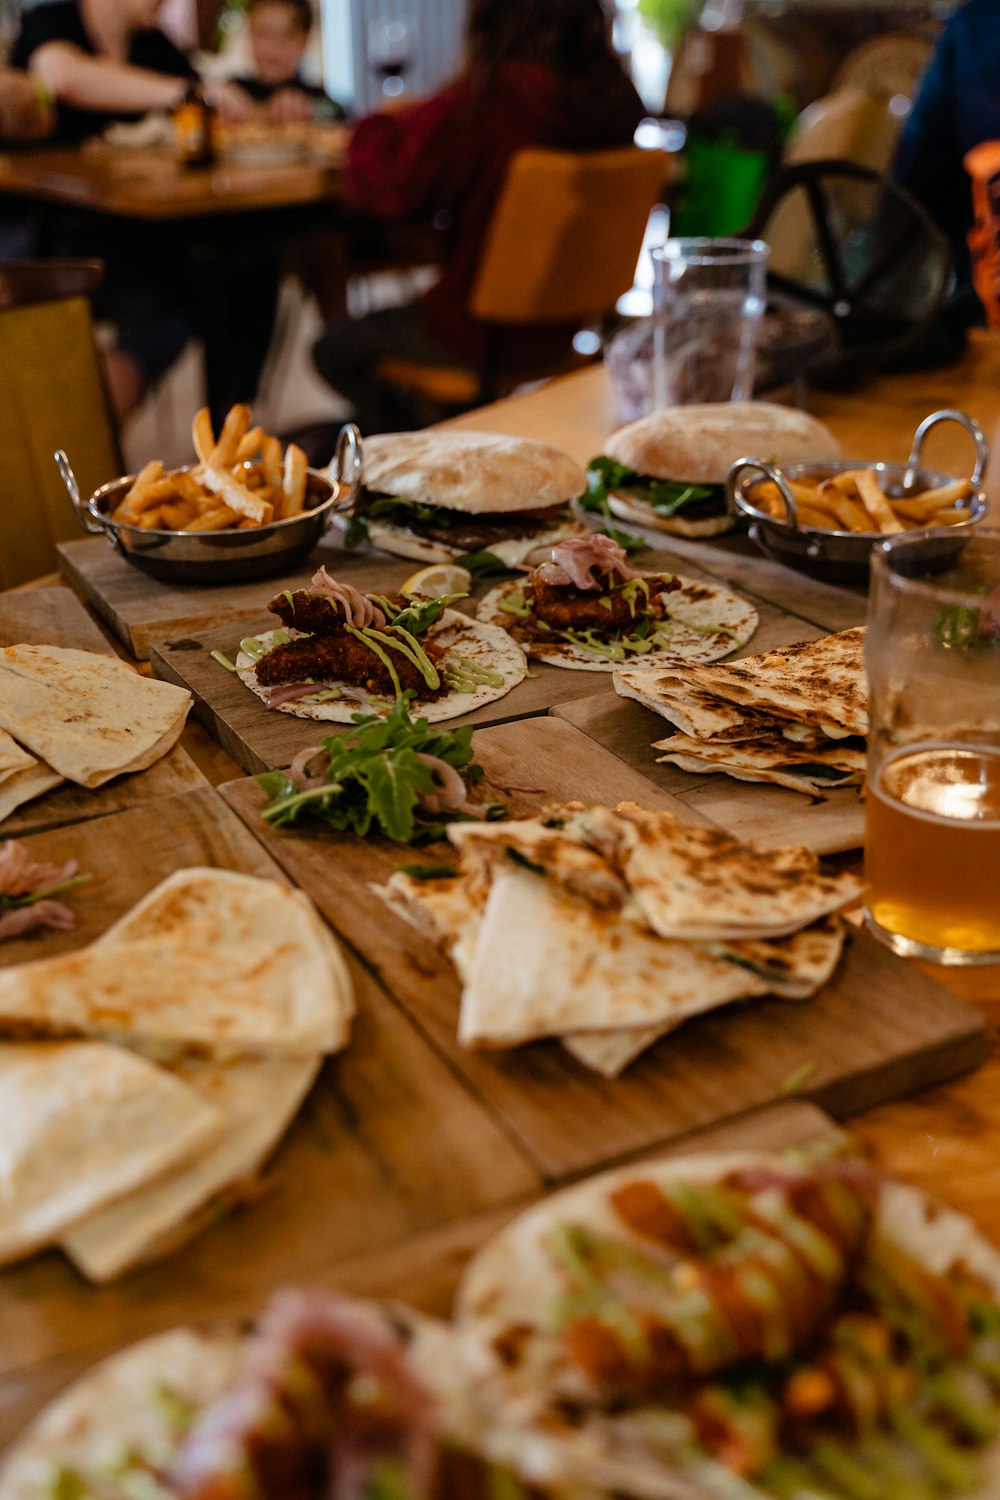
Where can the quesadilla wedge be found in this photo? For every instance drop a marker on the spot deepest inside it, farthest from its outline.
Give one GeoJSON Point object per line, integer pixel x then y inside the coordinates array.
{"type": "Point", "coordinates": [752, 1327]}
{"type": "Point", "coordinates": [577, 968]}
{"type": "Point", "coordinates": [810, 689]}
{"type": "Point", "coordinates": [339, 651]}
{"type": "Point", "coordinates": [438, 495]}
{"type": "Point", "coordinates": [88, 717]}
{"type": "Point", "coordinates": [772, 758]}
{"type": "Point", "coordinates": [211, 960]}
{"type": "Point", "coordinates": [85, 1124]}
{"type": "Point", "coordinates": [23, 786]}
{"type": "Point", "coordinates": [588, 610]}
{"type": "Point", "coordinates": [257, 1099]}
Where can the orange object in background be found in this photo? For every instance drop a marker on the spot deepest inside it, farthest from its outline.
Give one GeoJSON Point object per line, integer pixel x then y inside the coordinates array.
{"type": "Point", "coordinates": [983, 165]}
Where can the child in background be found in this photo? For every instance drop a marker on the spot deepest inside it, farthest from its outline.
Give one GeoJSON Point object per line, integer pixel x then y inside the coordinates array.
{"type": "Point", "coordinates": [279, 34]}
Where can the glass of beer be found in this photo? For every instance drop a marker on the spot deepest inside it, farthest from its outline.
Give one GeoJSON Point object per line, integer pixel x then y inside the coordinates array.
{"type": "Point", "coordinates": [932, 840]}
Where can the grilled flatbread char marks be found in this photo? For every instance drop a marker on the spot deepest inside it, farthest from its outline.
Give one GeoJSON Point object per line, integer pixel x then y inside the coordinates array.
{"type": "Point", "coordinates": [343, 658]}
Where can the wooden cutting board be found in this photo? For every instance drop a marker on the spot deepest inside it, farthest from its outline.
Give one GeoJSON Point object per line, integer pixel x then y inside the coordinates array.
{"type": "Point", "coordinates": [259, 739]}
{"type": "Point", "coordinates": [829, 823]}
{"type": "Point", "coordinates": [878, 1030]}
{"type": "Point", "coordinates": [139, 608]}
{"type": "Point", "coordinates": [423, 1269]}
{"type": "Point", "coordinates": [390, 1142]}
{"type": "Point", "coordinates": [55, 617]}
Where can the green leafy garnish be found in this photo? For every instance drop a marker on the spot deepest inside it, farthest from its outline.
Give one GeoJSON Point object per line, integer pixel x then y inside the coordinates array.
{"type": "Point", "coordinates": [355, 533]}
{"type": "Point", "coordinates": [374, 780]}
{"type": "Point", "coordinates": [429, 872]}
{"type": "Point", "coordinates": [601, 474]}
{"type": "Point", "coordinates": [419, 616]}
{"type": "Point", "coordinates": [665, 496]}
{"type": "Point", "coordinates": [10, 903]}
{"type": "Point", "coordinates": [482, 564]}
{"type": "Point", "coordinates": [961, 625]}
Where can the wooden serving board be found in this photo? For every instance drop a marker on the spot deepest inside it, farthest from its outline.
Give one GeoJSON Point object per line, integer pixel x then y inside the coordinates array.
{"type": "Point", "coordinates": [828, 823]}
{"type": "Point", "coordinates": [139, 608]}
{"type": "Point", "coordinates": [259, 739]}
{"type": "Point", "coordinates": [390, 1143]}
{"type": "Point", "coordinates": [55, 617]}
{"type": "Point", "coordinates": [423, 1269]}
{"type": "Point", "coordinates": [878, 1030]}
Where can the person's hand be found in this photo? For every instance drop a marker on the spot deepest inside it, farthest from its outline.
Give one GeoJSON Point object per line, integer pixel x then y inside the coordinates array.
{"type": "Point", "coordinates": [231, 102]}
{"type": "Point", "coordinates": [289, 107]}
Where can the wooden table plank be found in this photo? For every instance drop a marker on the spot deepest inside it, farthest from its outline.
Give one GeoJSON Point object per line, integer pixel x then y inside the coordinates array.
{"type": "Point", "coordinates": [423, 1270]}
{"type": "Point", "coordinates": [877, 1030]}
{"type": "Point", "coordinates": [55, 617]}
{"type": "Point", "coordinates": [828, 823]}
{"type": "Point", "coordinates": [389, 1143]}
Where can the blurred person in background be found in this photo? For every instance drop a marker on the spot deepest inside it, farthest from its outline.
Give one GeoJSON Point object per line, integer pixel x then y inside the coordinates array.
{"type": "Point", "coordinates": [279, 35]}
{"type": "Point", "coordinates": [535, 73]}
{"type": "Point", "coordinates": [105, 61]}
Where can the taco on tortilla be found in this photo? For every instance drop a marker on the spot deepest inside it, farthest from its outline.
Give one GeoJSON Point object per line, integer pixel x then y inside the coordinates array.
{"type": "Point", "coordinates": [735, 1327]}
{"type": "Point", "coordinates": [587, 609]}
{"type": "Point", "coordinates": [338, 648]}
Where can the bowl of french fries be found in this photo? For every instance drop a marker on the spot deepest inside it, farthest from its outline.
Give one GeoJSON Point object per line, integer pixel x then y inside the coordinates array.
{"type": "Point", "coordinates": [825, 518]}
{"type": "Point", "coordinates": [245, 509]}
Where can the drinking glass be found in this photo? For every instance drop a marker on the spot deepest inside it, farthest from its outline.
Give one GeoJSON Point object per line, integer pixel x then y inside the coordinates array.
{"type": "Point", "coordinates": [932, 841]}
{"type": "Point", "coordinates": [391, 50]}
{"type": "Point", "coordinates": [708, 299]}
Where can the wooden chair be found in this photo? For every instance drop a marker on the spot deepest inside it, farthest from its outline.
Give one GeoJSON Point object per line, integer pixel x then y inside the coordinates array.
{"type": "Point", "coordinates": [562, 247]}
{"type": "Point", "coordinates": [51, 396]}
{"type": "Point", "coordinates": [26, 281]}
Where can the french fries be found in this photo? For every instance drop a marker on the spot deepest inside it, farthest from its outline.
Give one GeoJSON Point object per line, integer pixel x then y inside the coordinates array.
{"type": "Point", "coordinates": [854, 501]}
{"type": "Point", "coordinates": [220, 493]}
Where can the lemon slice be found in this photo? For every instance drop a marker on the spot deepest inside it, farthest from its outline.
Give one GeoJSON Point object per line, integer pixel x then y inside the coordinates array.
{"type": "Point", "coordinates": [436, 580]}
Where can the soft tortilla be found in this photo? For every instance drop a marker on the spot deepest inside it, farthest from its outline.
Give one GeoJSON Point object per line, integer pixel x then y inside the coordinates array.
{"type": "Point", "coordinates": [574, 968]}
{"type": "Point", "coordinates": [87, 716]}
{"type": "Point", "coordinates": [486, 645]}
{"type": "Point", "coordinates": [258, 1098]}
{"type": "Point", "coordinates": [210, 960]}
{"type": "Point", "coordinates": [117, 1407]}
{"type": "Point", "coordinates": [444, 910]}
{"type": "Point", "coordinates": [24, 786]}
{"type": "Point", "coordinates": [84, 1124]}
{"type": "Point", "coordinates": [610, 1052]}
{"type": "Point", "coordinates": [700, 884]}
{"type": "Point", "coordinates": [820, 684]}
{"type": "Point", "coordinates": [707, 622]}
{"type": "Point", "coordinates": [12, 757]}
{"type": "Point", "coordinates": [794, 967]}
{"type": "Point", "coordinates": [773, 759]}
{"type": "Point", "coordinates": [480, 473]}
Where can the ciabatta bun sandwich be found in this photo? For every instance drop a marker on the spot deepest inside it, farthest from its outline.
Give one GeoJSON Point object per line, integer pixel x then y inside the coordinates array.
{"type": "Point", "coordinates": [438, 495]}
{"type": "Point", "coordinates": [668, 470]}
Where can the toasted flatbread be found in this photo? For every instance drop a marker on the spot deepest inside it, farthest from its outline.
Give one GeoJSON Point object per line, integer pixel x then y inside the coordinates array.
{"type": "Point", "coordinates": [23, 786]}
{"type": "Point", "coordinates": [85, 1124]}
{"type": "Point", "coordinates": [772, 758]}
{"type": "Point", "coordinates": [476, 472]}
{"type": "Point", "coordinates": [209, 960]}
{"type": "Point", "coordinates": [794, 967]}
{"type": "Point", "coordinates": [257, 1098]}
{"type": "Point", "coordinates": [488, 647]}
{"type": "Point", "coordinates": [128, 1404]}
{"type": "Point", "coordinates": [705, 622]}
{"type": "Point", "coordinates": [89, 717]}
{"type": "Point", "coordinates": [447, 911]}
{"type": "Point", "coordinates": [13, 758]}
{"type": "Point", "coordinates": [820, 684]}
{"type": "Point", "coordinates": [610, 1052]}
{"type": "Point", "coordinates": [575, 968]}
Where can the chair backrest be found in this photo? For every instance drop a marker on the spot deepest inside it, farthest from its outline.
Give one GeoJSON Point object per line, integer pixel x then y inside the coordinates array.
{"type": "Point", "coordinates": [566, 234]}
{"type": "Point", "coordinates": [850, 125]}
{"type": "Point", "coordinates": [25, 281]}
{"type": "Point", "coordinates": [51, 396]}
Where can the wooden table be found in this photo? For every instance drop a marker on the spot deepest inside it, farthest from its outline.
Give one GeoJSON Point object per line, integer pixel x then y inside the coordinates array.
{"type": "Point", "coordinates": [229, 214]}
{"type": "Point", "coordinates": [422, 1215]}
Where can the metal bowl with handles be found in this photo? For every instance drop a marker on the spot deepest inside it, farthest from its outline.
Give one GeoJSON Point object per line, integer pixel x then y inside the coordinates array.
{"type": "Point", "coordinates": [224, 556]}
{"type": "Point", "coordinates": [843, 556]}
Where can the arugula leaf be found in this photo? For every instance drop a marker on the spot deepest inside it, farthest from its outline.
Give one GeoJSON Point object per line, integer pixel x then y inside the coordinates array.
{"type": "Point", "coordinates": [374, 779]}
{"type": "Point", "coordinates": [420, 616]}
{"type": "Point", "coordinates": [602, 475]}
{"type": "Point", "coordinates": [429, 872]}
{"type": "Point", "coordinates": [356, 533]}
{"type": "Point", "coordinates": [405, 512]}
{"type": "Point", "coordinates": [483, 564]}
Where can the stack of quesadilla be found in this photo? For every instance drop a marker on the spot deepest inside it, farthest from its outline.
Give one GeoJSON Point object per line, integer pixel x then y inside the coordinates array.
{"type": "Point", "coordinates": [237, 989]}
{"type": "Point", "coordinates": [628, 922]}
{"type": "Point", "coordinates": [797, 716]}
{"type": "Point", "coordinates": [78, 716]}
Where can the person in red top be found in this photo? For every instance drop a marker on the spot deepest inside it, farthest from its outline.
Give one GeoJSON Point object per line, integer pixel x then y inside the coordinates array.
{"type": "Point", "coordinates": [536, 73]}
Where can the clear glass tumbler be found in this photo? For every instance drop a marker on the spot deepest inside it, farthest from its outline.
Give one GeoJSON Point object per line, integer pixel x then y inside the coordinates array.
{"type": "Point", "coordinates": [932, 841]}
{"type": "Point", "coordinates": [708, 300]}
